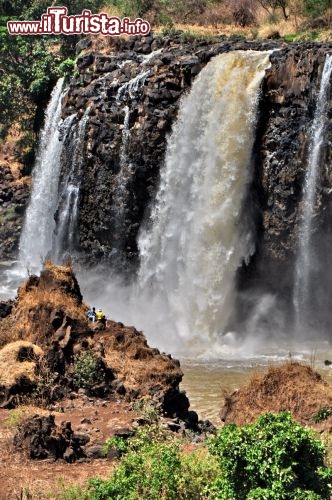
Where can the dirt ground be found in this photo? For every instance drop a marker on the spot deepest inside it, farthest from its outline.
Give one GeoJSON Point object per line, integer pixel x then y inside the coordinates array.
{"type": "Point", "coordinates": [23, 479]}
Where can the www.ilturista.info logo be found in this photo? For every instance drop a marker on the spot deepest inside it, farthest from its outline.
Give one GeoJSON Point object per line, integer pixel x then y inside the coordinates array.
{"type": "Point", "coordinates": [57, 22]}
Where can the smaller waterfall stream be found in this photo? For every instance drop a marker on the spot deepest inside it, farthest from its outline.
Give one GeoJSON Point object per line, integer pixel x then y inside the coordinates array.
{"type": "Point", "coordinates": [122, 181]}
{"type": "Point", "coordinates": [306, 259]}
{"type": "Point", "coordinates": [36, 237]}
{"type": "Point", "coordinates": [65, 235]}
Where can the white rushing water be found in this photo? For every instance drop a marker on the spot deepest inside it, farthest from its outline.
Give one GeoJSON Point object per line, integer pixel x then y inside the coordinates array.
{"type": "Point", "coordinates": [305, 255]}
{"type": "Point", "coordinates": [65, 234]}
{"type": "Point", "coordinates": [195, 242]}
{"type": "Point", "coordinates": [122, 180]}
{"type": "Point", "coordinates": [129, 88]}
{"type": "Point", "coordinates": [36, 236]}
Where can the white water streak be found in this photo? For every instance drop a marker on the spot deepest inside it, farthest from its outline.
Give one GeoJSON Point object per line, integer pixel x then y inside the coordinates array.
{"type": "Point", "coordinates": [67, 227]}
{"type": "Point", "coordinates": [303, 267]}
{"type": "Point", "coordinates": [129, 88]}
{"type": "Point", "coordinates": [36, 236]}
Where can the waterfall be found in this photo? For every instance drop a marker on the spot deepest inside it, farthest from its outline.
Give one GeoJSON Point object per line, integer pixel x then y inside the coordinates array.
{"type": "Point", "coordinates": [65, 238]}
{"type": "Point", "coordinates": [306, 257]}
{"type": "Point", "coordinates": [122, 186]}
{"type": "Point", "coordinates": [195, 241]}
{"type": "Point", "coordinates": [132, 86]}
{"type": "Point", "coordinates": [50, 226]}
{"type": "Point", "coordinates": [36, 236]}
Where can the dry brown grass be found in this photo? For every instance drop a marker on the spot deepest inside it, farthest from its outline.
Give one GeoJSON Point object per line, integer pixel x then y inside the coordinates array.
{"type": "Point", "coordinates": [11, 369]}
{"type": "Point", "coordinates": [60, 273]}
{"type": "Point", "coordinates": [293, 387]}
{"type": "Point", "coordinates": [135, 364]}
{"type": "Point", "coordinates": [35, 307]}
{"type": "Point", "coordinates": [31, 316]}
{"type": "Point", "coordinates": [7, 331]}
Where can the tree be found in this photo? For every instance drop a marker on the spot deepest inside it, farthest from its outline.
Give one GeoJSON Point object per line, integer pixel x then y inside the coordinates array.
{"type": "Point", "coordinates": [28, 72]}
{"type": "Point", "coordinates": [274, 4]}
{"type": "Point", "coordinates": [316, 8]}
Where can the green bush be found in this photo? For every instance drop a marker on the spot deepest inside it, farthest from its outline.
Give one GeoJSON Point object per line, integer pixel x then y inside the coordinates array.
{"type": "Point", "coordinates": [274, 458]}
{"type": "Point", "coordinates": [153, 467]}
{"type": "Point", "coordinates": [87, 370]}
{"type": "Point", "coordinates": [67, 67]}
{"type": "Point", "coordinates": [315, 8]}
{"type": "Point", "coordinates": [130, 8]}
{"type": "Point", "coordinates": [322, 414]}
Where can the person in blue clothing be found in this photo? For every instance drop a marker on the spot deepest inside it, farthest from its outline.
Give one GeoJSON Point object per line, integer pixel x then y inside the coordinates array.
{"type": "Point", "coordinates": [91, 314]}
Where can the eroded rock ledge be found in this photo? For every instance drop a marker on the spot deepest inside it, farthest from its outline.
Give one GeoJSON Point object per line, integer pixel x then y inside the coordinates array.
{"type": "Point", "coordinates": [52, 351]}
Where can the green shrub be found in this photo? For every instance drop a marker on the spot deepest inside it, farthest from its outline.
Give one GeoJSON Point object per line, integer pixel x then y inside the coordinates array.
{"type": "Point", "coordinates": [153, 467]}
{"type": "Point", "coordinates": [130, 8]}
{"type": "Point", "coordinates": [87, 370]}
{"type": "Point", "coordinates": [315, 8]}
{"type": "Point", "coordinates": [322, 414]}
{"type": "Point", "coordinates": [274, 458]}
{"type": "Point", "coordinates": [66, 68]}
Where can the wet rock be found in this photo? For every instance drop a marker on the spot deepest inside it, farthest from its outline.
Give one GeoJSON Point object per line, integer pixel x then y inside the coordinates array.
{"type": "Point", "coordinates": [191, 420]}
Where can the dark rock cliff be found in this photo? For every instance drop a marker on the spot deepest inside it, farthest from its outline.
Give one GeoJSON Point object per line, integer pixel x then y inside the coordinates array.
{"type": "Point", "coordinates": [14, 194]}
{"type": "Point", "coordinates": [132, 91]}
{"type": "Point", "coordinates": [127, 133]}
{"type": "Point", "coordinates": [133, 101]}
{"type": "Point", "coordinates": [288, 102]}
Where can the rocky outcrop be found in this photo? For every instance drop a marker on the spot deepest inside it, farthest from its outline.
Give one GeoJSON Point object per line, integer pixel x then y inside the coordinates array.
{"type": "Point", "coordinates": [14, 195]}
{"type": "Point", "coordinates": [62, 352]}
{"type": "Point", "coordinates": [40, 438]}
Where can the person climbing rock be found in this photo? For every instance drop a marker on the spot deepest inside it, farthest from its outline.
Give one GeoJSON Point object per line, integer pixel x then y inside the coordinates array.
{"type": "Point", "coordinates": [91, 314]}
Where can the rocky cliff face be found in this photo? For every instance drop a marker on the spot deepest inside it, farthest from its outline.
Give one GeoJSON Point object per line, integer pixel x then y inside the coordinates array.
{"type": "Point", "coordinates": [14, 194]}
{"type": "Point", "coordinates": [133, 94]}
{"type": "Point", "coordinates": [131, 91]}
{"type": "Point", "coordinates": [289, 98]}
{"type": "Point", "coordinates": [133, 99]}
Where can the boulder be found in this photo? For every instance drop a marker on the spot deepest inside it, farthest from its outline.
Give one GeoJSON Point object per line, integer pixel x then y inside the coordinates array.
{"type": "Point", "coordinates": [40, 438]}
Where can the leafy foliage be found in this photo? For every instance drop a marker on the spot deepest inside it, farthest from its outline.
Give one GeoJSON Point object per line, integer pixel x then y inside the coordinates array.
{"type": "Point", "coordinates": [29, 65]}
{"type": "Point", "coordinates": [28, 72]}
{"type": "Point", "coordinates": [322, 414]}
{"type": "Point", "coordinates": [87, 370]}
{"type": "Point", "coordinates": [316, 7]}
{"type": "Point", "coordinates": [153, 467]}
{"type": "Point", "coordinates": [274, 458]}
